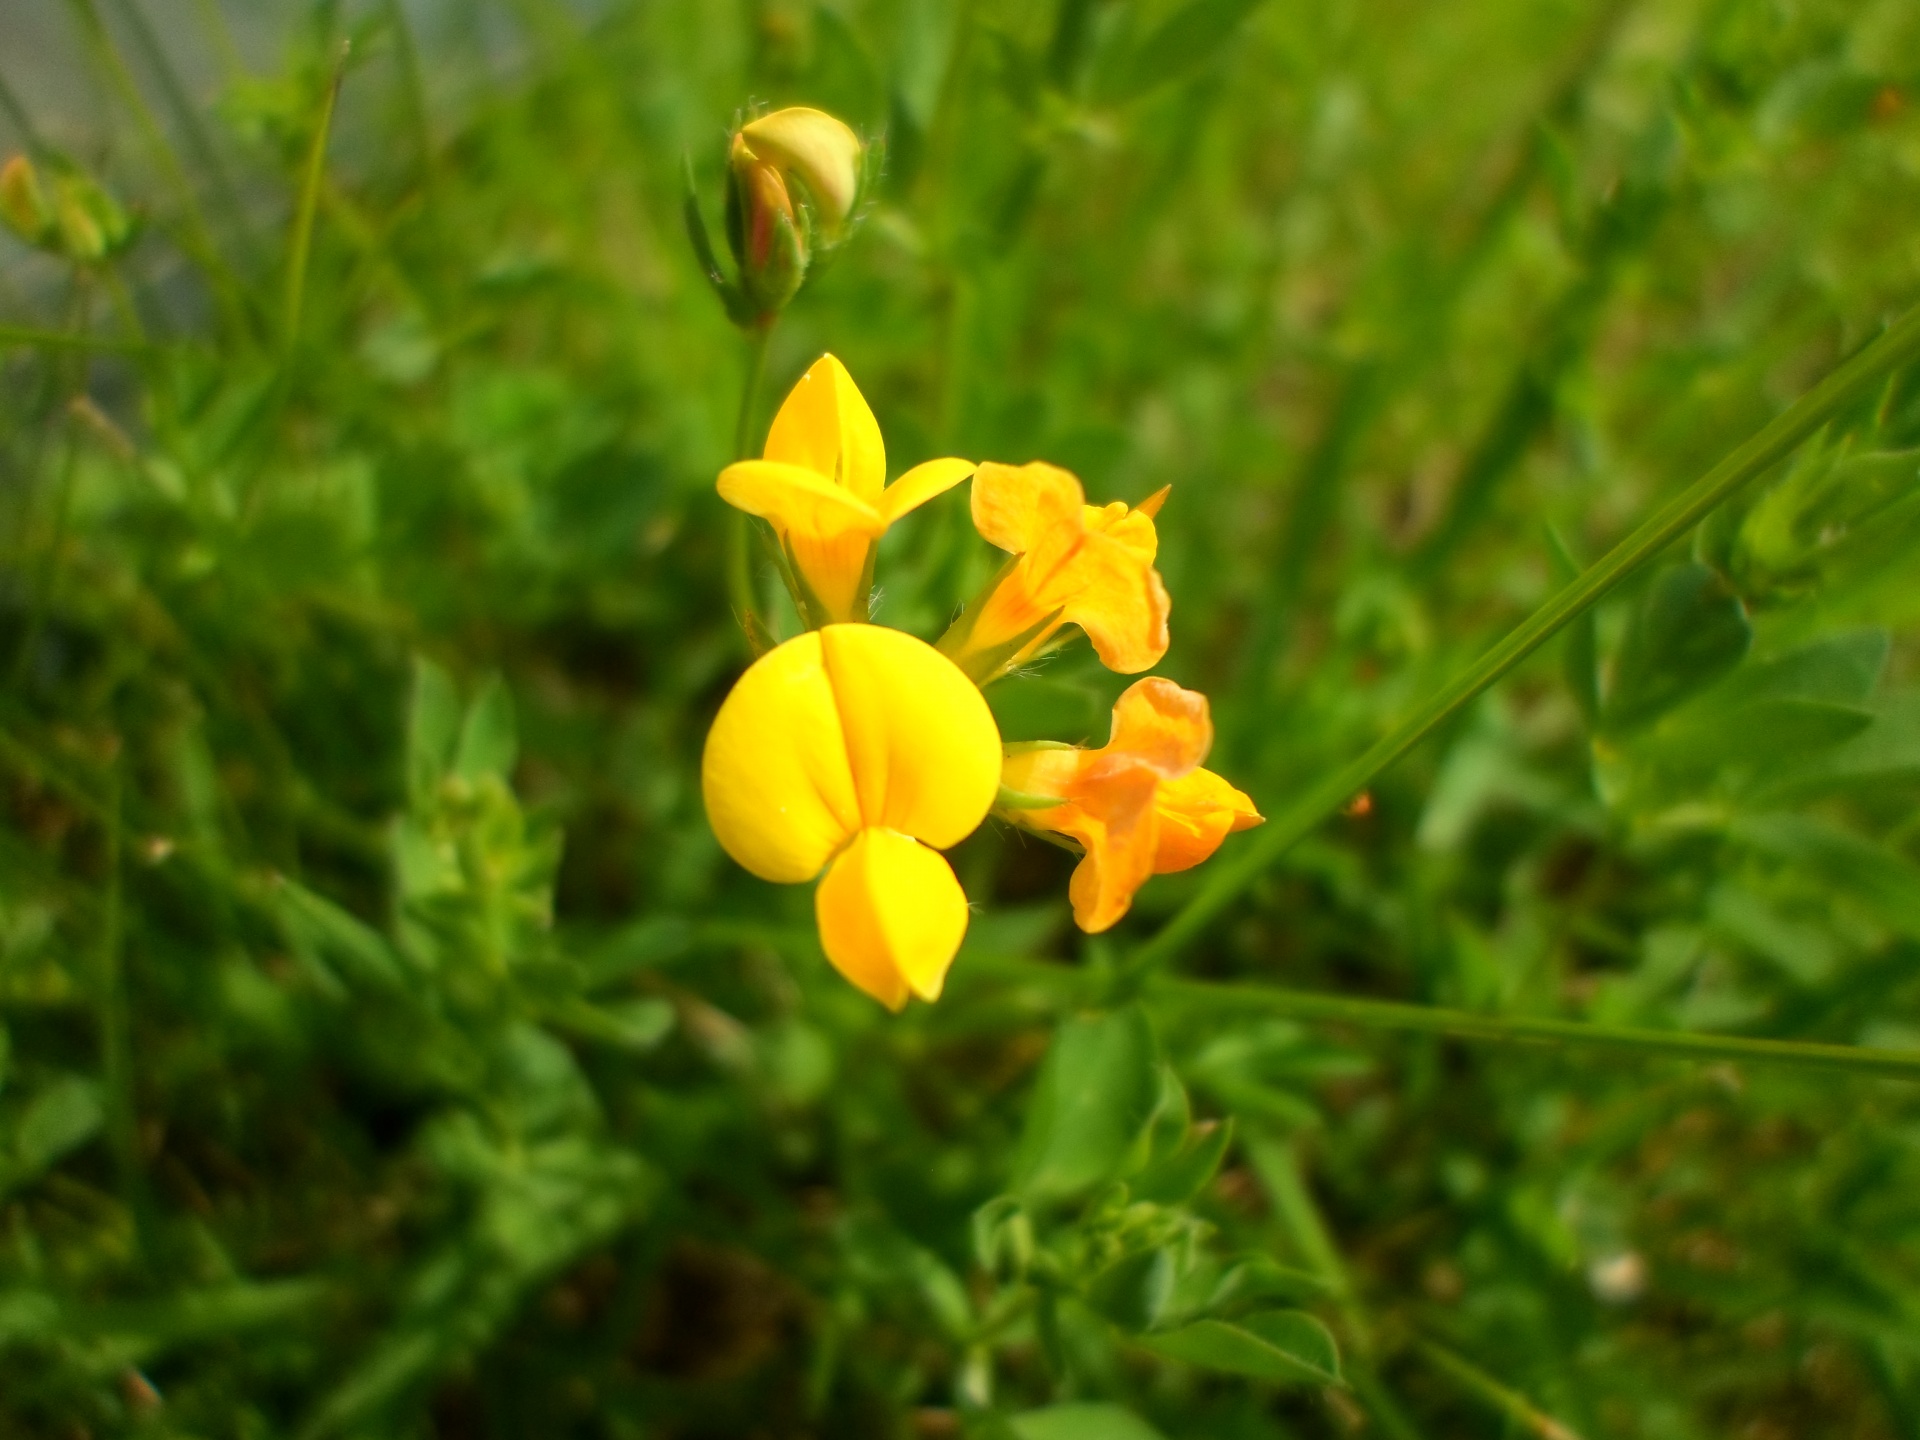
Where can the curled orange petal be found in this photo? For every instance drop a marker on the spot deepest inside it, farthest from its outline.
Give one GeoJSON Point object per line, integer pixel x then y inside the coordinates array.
{"type": "Point", "coordinates": [1139, 806]}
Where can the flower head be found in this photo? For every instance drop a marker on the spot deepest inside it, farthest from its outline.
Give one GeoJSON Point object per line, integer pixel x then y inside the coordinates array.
{"type": "Point", "coordinates": [864, 752]}
{"type": "Point", "coordinates": [1074, 564]}
{"type": "Point", "coordinates": [1140, 805]}
{"type": "Point", "coordinates": [821, 484]}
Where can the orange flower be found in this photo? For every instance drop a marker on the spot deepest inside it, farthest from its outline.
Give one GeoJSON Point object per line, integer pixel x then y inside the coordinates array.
{"type": "Point", "coordinates": [1074, 564]}
{"type": "Point", "coordinates": [1140, 805]}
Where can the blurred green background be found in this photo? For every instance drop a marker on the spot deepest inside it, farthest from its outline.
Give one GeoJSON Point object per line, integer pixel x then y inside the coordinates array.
{"type": "Point", "coordinates": [386, 1048]}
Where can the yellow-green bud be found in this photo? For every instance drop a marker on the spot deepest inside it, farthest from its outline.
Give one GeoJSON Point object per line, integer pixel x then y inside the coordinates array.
{"type": "Point", "coordinates": [91, 224]}
{"type": "Point", "coordinates": [816, 154]}
{"type": "Point", "coordinates": [23, 202]}
{"type": "Point", "coordinates": [795, 180]}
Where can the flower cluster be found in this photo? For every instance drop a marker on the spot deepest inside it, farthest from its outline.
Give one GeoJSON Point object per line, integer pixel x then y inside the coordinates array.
{"type": "Point", "coordinates": [855, 754]}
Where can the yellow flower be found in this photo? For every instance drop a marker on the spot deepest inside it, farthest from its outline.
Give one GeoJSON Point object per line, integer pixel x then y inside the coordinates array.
{"type": "Point", "coordinates": [1140, 805]}
{"type": "Point", "coordinates": [822, 486]}
{"type": "Point", "coordinates": [1075, 564]}
{"type": "Point", "coordinates": [864, 752]}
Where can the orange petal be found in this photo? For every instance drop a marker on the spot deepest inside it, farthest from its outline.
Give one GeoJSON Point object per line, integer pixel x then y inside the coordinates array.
{"type": "Point", "coordinates": [1197, 811]}
{"type": "Point", "coordinates": [1158, 722]}
{"type": "Point", "coordinates": [1117, 597]}
{"type": "Point", "coordinates": [1016, 507]}
{"type": "Point", "coordinates": [824, 425]}
{"type": "Point", "coordinates": [1113, 816]}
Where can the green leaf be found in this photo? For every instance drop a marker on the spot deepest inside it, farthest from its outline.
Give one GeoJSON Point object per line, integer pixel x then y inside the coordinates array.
{"type": "Point", "coordinates": [60, 1119]}
{"type": "Point", "coordinates": [1096, 1095]}
{"type": "Point", "coordinates": [1176, 1178]}
{"type": "Point", "coordinates": [1287, 1347]}
{"type": "Point", "coordinates": [1082, 1422]}
{"type": "Point", "coordinates": [1688, 630]}
{"type": "Point", "coordinates": [1039, 707]}
{"type": "Point", "coordinates": [1841, 669]}
{"type": "Point", "coordinates": [489, 739]}
{"type": "Point", "coordinates": [433, 722]}
{"type": "Point", "coordinates": [1133, 1291]}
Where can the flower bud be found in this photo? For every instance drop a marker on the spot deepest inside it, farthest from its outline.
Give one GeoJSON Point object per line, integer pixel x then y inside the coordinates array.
{"type": "Point", "coordinates": [819, 156]}
{"type": "Point", "coordinates": [73, 216]}
{"type": "Point", "coordinates": [795, 179]}
{"type": "Point", "coordinates": [23, 202]}
{"type": "Point", "coordinates": [764, 231]}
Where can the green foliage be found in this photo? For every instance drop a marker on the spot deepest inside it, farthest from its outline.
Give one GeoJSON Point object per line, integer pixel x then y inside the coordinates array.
{"type": "Point", "coordinates": [386, 1049]}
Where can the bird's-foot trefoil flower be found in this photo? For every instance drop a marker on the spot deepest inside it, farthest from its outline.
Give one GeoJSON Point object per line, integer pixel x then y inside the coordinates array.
{"type": "Point", "coordinates": [1139, 806]}
{"type": "Point", "coordinates": [863, 752]}
{"type": "Point", "coordinates": [821, 485]}
{"type": "Point", "coordinates": [1073, 564]}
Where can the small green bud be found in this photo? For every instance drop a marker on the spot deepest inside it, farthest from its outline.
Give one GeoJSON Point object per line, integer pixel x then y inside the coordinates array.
{"type": "Point", "coordinates": [91, 224]}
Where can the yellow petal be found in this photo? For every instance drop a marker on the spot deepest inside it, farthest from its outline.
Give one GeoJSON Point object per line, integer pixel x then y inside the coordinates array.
{"type": "Point", "coordinates": [833, 568]}
{"type": "Point", "coordinates": [778, 788]}
{"type": "Point", "coordinates": [923, 747]}
{"type": "Point", "coordinates": [797, 500]}
{"type": "Point", "coordinates": [921, 484]}
{"type": "Point", "coordinates": [891, 916]}
{"type": "Point", "coordinates": [824, 426]}
{"type": "Point", "coordinates": [820, 149]}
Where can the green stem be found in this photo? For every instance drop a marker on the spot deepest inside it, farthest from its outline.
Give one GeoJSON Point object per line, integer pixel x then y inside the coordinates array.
{"type": "Point", "coordinates": [740, 590]}
{"type": "Point", "coordinates": [1896, 347]}
{"type": "Point", "coordinates": [1471, 1025]}
{"type": "Point", "coordinates": [116, 1044]}
{"type": "Point", "coordinates": [1522, 1412]}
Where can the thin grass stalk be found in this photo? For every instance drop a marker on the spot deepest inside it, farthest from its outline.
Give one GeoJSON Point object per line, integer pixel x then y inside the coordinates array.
{"type": "Point", "coordinates": [1518, 1411]}
{"type": "Point", "coordinates": [186, 115]}
{"type": "Point", "coordinates": [68, 340]}
{"type": "Point", "coordinates": [1530, 1030]}
{"type": "Point", "coordinates": [314, 170]}
{"type": "Point", "coordinates": [195, 237]}
{"type": "Point", "coordinates": [1899, 345]}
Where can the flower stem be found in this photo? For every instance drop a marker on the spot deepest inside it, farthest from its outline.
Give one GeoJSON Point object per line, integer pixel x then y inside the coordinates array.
{"type": "Point", "coordinates": [740, 588]}
{"type": "Point", "coordinates": [1897, 346]}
